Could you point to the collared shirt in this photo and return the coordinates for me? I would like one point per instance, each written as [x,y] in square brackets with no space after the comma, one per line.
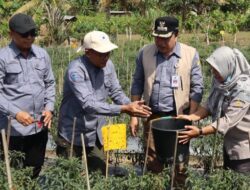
[162,98]
[234,122]
[26,84]
[86,91]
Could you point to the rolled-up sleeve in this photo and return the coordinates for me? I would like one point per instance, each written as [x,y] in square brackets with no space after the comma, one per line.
[138,78]
[49,82]
[196,88]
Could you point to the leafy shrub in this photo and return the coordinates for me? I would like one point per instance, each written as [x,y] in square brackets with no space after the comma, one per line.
[21,177]
[132,181]
[63,174]
[218,180]
[69,174]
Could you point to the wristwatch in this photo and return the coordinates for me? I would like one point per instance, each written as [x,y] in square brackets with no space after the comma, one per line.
[200,132]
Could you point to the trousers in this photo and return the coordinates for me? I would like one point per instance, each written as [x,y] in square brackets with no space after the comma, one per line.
[95,155]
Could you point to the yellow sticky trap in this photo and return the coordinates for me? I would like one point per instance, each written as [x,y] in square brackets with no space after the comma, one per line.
[114,137]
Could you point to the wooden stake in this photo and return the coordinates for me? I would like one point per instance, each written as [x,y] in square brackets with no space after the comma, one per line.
[214,150]
[107,156]
[174,161]
[6,156]
[84,157]
[8,131]
[72,138]
[146,155]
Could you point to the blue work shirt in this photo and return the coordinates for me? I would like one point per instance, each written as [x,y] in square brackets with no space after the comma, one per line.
[162,97]
[85,94]
[26,84]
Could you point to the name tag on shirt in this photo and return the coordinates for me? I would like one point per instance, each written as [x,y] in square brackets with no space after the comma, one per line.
[175,81]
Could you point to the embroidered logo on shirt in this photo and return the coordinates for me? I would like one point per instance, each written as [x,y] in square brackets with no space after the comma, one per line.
[75,77]
[238,103]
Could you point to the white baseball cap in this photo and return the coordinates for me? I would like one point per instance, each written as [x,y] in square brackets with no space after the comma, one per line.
[98,41]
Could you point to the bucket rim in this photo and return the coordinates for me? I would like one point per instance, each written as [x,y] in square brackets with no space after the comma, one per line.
[167,118]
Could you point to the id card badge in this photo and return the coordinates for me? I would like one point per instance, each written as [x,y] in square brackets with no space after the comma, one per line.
[175,81]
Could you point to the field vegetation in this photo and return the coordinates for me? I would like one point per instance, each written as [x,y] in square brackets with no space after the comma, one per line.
[204,25]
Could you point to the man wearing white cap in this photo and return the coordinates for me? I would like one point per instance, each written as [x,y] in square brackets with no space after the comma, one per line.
[89,81]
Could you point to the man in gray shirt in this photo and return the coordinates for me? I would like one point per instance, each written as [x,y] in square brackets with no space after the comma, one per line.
[27,89]
[89,81]
[168,77]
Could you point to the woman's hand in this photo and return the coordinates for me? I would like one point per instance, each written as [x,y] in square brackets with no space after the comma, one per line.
[186,117]
[185,136]
[191,117]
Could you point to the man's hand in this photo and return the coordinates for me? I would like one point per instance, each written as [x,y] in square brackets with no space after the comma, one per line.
[47,118]
[24,118]
[134,126]
[137,109]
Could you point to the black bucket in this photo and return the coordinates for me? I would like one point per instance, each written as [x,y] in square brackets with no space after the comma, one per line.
[164,133]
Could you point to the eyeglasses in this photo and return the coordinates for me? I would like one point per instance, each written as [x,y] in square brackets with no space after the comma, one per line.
[31,33]
[101,55]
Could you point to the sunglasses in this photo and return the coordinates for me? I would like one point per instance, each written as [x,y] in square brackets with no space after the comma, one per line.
[101,55]
[32,33]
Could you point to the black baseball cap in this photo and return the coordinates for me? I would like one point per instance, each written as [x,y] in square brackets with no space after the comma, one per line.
[21,23]
[165,26]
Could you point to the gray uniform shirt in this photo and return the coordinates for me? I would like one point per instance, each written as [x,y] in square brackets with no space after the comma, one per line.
[86,90]
[235,123]
[26,84]
[162,98]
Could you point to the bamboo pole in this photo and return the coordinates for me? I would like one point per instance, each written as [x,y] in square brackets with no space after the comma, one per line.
[8,131]
[214,150]
[174,161]
[6,156]
[85,161]
[107,157]
[215,140]
[146,155]
[72,138]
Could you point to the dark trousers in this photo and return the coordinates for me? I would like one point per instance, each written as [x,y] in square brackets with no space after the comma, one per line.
[241,166]
[154,165]
[95,155]
[33,147]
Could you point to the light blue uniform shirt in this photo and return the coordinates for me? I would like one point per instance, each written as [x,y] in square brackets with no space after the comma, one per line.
[85,94]
[162,98]
[26,84]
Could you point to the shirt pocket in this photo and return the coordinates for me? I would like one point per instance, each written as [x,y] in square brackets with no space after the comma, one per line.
[164,76]
[107,80]
[12,73]
[40,69]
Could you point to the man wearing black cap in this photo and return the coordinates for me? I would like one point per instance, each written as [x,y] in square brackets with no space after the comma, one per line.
[27,89]
[168,77]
